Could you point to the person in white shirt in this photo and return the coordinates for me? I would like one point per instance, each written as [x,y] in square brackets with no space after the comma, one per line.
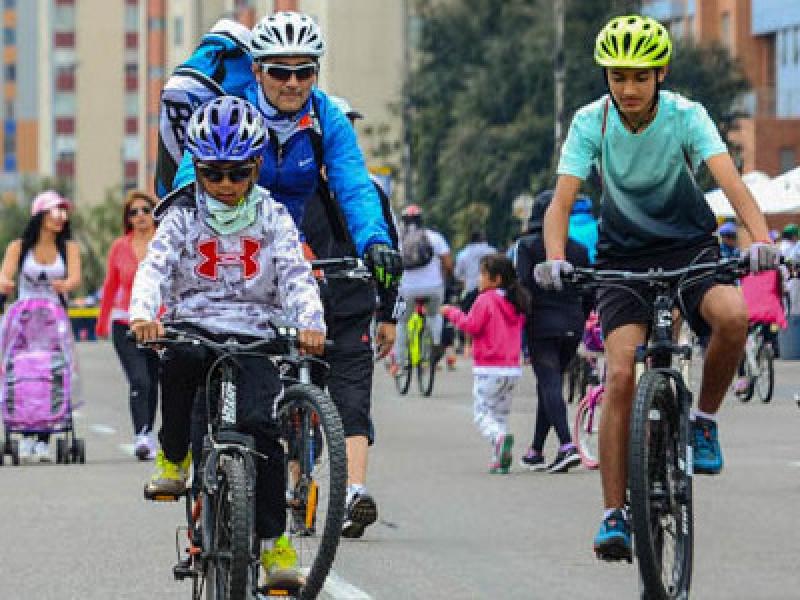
[426,263]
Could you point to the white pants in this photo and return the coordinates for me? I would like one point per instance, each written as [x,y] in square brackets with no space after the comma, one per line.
[492,403]
[434,297]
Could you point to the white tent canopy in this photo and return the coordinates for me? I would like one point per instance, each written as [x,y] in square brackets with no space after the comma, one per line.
[778,195]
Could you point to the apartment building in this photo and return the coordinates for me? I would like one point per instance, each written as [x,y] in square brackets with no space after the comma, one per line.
[81,79]
[765,36]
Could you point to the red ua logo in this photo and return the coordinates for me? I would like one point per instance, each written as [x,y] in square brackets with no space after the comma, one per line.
[213,258]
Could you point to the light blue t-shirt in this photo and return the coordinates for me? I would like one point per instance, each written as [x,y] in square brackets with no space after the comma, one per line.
[651,201]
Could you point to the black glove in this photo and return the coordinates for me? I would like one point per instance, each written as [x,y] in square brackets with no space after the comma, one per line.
[385,263]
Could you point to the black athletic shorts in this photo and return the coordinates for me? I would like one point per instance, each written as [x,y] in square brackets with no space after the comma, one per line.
[619,307]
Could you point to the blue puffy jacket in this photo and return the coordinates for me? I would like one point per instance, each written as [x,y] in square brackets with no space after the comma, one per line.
[290,172]
[583,225]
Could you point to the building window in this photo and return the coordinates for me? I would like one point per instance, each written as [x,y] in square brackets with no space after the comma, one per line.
[155,24]
[782,43]
[131,77]
[131,169]
[11,72]
[788,159]
[65,125]
[131,125]
[9,36]
[64,17]
[131,40]
[65,79]
[131,104]
[155,72]
[10,112]
[65,167]
[64,104]
[10,163]
[64,39]
[177,35]
[9,141]
[796,45]
[725,33]
[131,17]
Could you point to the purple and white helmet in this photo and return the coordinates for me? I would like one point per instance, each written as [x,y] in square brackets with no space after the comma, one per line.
[226,128]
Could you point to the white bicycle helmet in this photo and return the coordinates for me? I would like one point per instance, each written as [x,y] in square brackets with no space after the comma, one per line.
[286,34]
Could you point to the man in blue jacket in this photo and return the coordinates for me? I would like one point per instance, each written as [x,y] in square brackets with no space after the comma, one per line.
[309,135]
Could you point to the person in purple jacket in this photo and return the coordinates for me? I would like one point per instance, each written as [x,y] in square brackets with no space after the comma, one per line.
[495,323]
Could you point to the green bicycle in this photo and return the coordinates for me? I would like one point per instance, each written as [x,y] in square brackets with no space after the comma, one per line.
[419,349]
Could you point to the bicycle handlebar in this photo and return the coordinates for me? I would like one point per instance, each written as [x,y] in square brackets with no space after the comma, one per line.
[348,267]
[735,267]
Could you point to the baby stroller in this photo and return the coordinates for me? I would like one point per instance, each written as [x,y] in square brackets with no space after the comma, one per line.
[38,376]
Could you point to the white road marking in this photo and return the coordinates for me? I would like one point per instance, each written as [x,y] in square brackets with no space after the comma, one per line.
[339,589]
[795,463]
[102,429]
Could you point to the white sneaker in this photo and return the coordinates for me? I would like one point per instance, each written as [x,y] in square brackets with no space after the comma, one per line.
[41,450]
[26,448]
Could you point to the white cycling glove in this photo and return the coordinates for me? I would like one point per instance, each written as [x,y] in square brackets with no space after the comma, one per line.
[548,274]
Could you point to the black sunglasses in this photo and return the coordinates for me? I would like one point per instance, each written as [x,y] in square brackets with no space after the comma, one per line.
[283,73]
[234,174]
[142,210]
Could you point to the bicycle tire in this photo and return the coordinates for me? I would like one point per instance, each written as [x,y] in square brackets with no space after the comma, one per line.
[316,551]
[659,489]
[426,369]
[228,578]
[586,430]
[765,383]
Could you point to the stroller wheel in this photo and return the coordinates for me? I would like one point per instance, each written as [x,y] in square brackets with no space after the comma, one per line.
[61,451]
[14,452]
[78,451]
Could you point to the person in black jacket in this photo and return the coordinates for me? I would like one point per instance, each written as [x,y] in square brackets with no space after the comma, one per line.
[350,306]
[555,328]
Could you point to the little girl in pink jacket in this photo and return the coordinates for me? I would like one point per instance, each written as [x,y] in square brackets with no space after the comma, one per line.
[495,323]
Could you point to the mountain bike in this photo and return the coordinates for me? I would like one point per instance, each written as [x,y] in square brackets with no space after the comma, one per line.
[222,556]
[419,352]
[758,363]
[659,452]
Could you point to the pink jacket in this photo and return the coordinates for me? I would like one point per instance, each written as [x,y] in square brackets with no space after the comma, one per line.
[495,327]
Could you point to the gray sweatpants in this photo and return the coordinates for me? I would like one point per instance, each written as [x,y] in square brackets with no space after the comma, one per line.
[492,403]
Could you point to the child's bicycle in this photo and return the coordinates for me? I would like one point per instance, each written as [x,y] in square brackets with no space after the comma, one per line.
[218,548]
[587,416]
[758,363]
[419,352]
[659,455]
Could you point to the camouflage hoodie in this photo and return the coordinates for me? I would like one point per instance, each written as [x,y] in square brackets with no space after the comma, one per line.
[232,283]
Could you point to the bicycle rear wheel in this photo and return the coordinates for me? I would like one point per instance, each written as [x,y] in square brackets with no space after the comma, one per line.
[765,382]
[660,489]
[587,427]
[228,566]
[316,480]
[426,369]
[402,380]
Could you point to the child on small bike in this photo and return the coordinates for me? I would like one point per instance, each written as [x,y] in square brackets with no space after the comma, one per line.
[225,263]
[495,323]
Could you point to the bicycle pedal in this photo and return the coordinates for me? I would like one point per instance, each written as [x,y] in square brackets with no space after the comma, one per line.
[161,497]
[184,569]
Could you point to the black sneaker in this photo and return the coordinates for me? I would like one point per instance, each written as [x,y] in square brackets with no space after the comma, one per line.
[361,512]
[533,461]
[564,461]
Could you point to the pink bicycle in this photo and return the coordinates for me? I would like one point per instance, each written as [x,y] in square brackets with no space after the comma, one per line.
[587,417]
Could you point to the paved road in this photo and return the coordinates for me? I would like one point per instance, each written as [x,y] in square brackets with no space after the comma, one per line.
[447,529]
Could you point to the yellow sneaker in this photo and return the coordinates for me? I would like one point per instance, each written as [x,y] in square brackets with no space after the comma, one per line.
[169,478]
[280,565]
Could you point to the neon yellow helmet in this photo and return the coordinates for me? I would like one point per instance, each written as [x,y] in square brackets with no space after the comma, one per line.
[633,42]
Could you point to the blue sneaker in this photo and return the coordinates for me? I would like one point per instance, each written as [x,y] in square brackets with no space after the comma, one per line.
[613,539]
[706,448]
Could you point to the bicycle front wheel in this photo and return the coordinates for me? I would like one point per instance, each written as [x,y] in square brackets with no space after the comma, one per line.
[660,489]
[426,369]
[316,480]
[765,383]
[228,564]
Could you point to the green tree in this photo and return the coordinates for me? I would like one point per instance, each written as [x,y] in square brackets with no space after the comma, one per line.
[481,96]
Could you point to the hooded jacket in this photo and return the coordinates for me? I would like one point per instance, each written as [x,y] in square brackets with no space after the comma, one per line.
[496,329]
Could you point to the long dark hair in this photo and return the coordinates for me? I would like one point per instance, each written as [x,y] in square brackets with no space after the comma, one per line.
[31,235]
[499,265]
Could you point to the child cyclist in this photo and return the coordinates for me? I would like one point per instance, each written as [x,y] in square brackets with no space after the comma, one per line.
[495,323]
[226,264]
[647,142]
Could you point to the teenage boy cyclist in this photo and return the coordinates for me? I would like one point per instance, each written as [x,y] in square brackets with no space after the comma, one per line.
[225,263]
[647,142]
